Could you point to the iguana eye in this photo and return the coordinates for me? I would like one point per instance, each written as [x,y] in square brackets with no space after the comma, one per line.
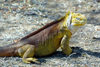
[78,18]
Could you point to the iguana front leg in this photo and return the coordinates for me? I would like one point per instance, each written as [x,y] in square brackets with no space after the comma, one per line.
[27,54]
[65,43]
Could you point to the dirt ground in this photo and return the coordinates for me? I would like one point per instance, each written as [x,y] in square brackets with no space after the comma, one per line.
[19,18]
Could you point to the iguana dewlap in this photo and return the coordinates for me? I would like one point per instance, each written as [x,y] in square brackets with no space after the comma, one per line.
[47,39]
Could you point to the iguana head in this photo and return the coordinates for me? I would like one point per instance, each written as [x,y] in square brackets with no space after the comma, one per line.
[74,21]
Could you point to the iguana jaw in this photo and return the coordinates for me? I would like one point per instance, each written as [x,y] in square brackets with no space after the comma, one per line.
[73,28]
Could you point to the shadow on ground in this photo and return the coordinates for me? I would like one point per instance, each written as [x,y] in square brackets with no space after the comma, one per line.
[96,39]
[77,52]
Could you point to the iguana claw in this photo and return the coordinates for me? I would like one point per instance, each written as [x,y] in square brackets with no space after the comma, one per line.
[29,60]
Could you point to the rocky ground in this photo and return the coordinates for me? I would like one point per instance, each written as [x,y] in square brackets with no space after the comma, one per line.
[19,18]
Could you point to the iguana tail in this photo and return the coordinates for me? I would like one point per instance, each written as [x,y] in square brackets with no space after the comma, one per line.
[10,50]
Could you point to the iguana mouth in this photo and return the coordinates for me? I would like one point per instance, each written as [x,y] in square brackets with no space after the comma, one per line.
[80,23]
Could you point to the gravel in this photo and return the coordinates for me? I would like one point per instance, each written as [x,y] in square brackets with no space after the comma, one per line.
[19,18]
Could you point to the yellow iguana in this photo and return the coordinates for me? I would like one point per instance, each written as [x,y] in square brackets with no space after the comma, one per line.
[47,39]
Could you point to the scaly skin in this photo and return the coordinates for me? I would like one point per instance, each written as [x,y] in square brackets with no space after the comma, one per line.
[47,39]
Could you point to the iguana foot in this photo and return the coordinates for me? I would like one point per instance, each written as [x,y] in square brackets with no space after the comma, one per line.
[29,60]
[69,51]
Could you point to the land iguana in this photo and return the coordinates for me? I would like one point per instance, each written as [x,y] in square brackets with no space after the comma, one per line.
[47,39]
